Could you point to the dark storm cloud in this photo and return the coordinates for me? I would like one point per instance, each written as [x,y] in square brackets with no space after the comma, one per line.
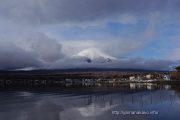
[38,52]
[13,57]
[58,11]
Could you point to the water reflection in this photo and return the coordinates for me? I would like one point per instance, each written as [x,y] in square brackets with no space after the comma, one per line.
[92,103]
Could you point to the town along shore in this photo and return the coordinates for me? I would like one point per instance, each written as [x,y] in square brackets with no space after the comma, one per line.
[29,79]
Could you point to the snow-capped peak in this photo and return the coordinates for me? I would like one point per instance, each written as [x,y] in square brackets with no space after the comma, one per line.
[94,55]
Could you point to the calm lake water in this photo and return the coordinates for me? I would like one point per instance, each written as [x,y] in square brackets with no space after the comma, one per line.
[119,102]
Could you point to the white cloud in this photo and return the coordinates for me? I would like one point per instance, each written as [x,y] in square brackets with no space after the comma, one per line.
[45,48]
[174,54]
[127,19]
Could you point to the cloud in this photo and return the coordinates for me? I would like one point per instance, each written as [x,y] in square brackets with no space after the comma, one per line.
[35,51]
[174,54]
[38,51]
[118,48]
[45,48]
[124,63]
[153,64]
[25,43]
[60,11]
[13,57]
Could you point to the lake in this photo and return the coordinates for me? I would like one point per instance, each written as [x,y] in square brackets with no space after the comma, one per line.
[134,101]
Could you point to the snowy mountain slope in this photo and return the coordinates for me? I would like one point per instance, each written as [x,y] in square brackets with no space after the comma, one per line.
[93,55]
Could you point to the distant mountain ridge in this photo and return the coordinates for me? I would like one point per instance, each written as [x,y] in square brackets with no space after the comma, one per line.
[46,71]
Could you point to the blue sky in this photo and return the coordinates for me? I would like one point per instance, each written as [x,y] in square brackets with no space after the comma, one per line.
[161,42]
[148,31]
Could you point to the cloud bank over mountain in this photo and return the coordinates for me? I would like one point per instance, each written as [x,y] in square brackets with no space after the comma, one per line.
[45,34]
[44,53]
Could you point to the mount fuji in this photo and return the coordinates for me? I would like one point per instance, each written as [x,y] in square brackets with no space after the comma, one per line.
[94,55]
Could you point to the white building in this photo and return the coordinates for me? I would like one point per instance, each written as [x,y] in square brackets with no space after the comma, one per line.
[148,76]
[131,78]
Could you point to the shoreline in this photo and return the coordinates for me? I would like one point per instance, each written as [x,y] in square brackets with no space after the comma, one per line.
[82,79]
